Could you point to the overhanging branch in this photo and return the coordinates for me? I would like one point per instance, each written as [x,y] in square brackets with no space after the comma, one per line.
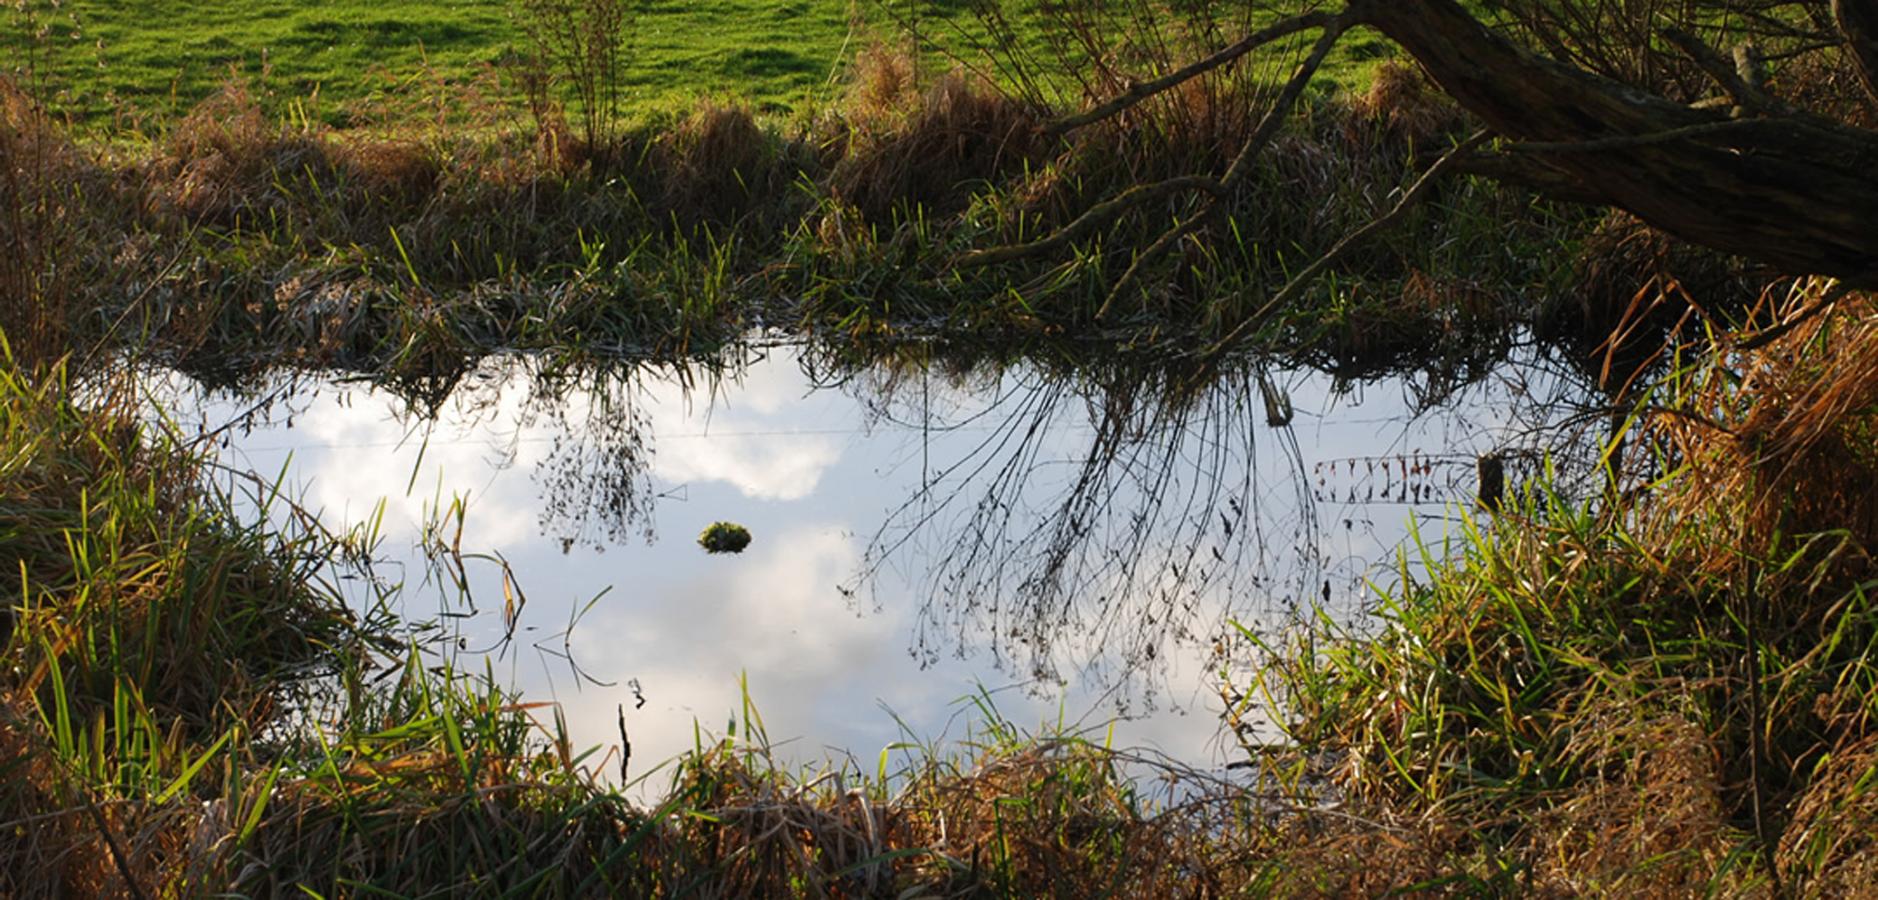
[1146,89]
[1107,212]
[1796,192]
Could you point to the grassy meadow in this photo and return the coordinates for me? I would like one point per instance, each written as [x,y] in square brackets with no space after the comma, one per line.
[139,62]
[159,58]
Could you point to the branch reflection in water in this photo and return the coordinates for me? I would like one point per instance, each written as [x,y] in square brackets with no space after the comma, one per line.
[1087,519]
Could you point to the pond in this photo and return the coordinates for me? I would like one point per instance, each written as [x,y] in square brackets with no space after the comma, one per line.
[1071,544]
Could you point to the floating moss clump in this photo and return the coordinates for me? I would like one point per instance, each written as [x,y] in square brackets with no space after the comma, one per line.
[724,537]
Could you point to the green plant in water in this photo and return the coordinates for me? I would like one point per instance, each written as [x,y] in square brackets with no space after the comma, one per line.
[724,537]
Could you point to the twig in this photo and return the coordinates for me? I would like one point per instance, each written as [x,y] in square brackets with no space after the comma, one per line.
[1304,279]
[1262,135]
[1146,89]
[1108,211]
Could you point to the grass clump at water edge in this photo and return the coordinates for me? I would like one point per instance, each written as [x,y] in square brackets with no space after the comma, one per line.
[1670,696]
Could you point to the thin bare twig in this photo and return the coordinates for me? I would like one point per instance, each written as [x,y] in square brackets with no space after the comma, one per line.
[1304,279]
[1262,136]
[1108,211]
[1146,89]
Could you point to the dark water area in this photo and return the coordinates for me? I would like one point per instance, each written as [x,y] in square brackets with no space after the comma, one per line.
[1079,544]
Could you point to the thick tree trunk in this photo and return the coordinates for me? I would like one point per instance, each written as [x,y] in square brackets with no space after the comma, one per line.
[1858,24]
[1796,192]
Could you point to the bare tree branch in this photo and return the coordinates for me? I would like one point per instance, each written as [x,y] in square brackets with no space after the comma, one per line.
[1303,280]
[1267,129]
[1794,192]
[1146,89]
[1103,214]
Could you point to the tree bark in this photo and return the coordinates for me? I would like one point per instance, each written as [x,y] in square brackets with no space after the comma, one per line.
[1797,192]
[1858,24]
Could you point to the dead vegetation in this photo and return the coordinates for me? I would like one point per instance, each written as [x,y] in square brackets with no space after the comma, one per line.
[907,147]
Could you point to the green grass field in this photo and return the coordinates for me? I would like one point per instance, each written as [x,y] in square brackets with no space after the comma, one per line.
[156,56]
[108,61]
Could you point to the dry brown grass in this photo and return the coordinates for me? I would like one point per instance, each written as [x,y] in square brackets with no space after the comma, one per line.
[1635,294]
[51,191]
[956,134]
[60,838]
[719,166]
[1832,836]
[1651,822]
[229,164]
[1405,110]
[223,157]
[1043,821]
[1782,445]
[50,842]
[881,82]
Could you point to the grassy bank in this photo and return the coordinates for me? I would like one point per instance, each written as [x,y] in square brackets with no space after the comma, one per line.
[237,241]
[1669,695]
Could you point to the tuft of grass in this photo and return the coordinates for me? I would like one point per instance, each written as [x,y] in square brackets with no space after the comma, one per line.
[724,537]
[128,586]
[928,150]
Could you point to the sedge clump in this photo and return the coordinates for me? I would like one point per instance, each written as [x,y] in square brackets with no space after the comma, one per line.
[724,537]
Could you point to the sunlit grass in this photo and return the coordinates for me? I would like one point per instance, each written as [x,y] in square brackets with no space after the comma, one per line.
[137,63]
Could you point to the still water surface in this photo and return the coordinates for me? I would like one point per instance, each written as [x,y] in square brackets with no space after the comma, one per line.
[1075,544]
